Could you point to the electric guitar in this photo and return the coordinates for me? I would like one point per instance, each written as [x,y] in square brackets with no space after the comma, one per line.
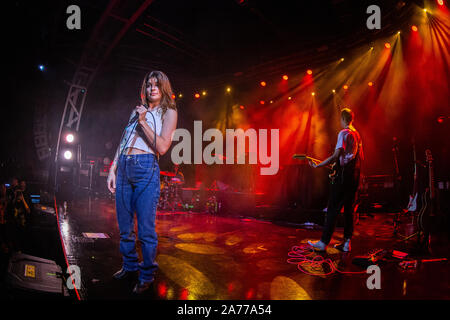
[427,214]
[334,171]
[412,204]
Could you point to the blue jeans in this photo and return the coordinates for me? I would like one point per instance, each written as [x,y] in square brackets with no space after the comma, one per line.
[137,190]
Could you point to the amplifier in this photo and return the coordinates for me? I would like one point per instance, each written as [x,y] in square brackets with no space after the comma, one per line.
[378,193]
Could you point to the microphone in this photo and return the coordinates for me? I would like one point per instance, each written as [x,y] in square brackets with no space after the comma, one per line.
[136,116]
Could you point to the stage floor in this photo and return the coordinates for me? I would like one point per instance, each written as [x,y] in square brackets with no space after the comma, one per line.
[202,256]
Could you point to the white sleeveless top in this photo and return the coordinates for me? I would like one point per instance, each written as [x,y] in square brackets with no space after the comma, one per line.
[134,138]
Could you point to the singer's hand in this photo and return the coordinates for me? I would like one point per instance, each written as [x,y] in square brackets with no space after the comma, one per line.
[111,182]
[141,110]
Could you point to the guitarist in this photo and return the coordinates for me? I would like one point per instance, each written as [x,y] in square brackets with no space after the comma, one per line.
[347,158]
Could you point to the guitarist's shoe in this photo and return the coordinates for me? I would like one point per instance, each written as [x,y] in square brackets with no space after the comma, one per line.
[344,246]
[318,246]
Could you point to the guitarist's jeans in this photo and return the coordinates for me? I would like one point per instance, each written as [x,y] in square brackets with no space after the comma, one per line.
[341,195]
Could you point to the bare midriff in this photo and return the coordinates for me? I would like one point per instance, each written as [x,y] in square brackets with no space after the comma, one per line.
[129,151]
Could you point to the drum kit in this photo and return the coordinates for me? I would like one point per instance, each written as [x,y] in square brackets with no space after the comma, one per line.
[171,184]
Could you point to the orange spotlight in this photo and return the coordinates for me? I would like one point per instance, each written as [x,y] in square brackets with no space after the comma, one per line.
[414,28]
[370,83]
[241,107]
[173,96]
[197,95]
[345,87]
[289,98]
[262,102]
[440,2]
[387,45]
[263,84]
[313,94]
[285,77]
[309,72]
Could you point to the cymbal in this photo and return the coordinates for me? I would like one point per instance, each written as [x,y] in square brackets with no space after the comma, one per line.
[167,173]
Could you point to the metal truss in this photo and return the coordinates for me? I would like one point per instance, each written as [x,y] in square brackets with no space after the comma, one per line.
[107,33]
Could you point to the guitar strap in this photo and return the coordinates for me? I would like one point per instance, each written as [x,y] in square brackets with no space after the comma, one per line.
[350,171]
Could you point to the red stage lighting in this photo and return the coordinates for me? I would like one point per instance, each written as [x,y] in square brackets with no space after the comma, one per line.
[309,72]
[414,28]
[262,102]
[285,77]
[345,87]
[370,83]
[263,84]
[387,45]
[241,107]
[173,96]
[197,95]
[184,294]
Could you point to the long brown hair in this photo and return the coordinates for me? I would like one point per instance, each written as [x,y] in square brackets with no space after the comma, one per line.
[167,102]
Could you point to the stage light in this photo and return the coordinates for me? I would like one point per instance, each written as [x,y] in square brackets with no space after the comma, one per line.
[440,2]
[262,102]
[68,155]
[425,10]
[309,72]
[173,96]
[263,84]
[271,101]
[241,107]
[345,87]
[313,93]
[289,98]
[197,95]
[41,67]
[334,91]
[370,83]
[228,89]
[70,138]
[342,59]
[414,28]
[398,32]
[180,95]
[204,93]
[285,77]
[440,119]
[387,45]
